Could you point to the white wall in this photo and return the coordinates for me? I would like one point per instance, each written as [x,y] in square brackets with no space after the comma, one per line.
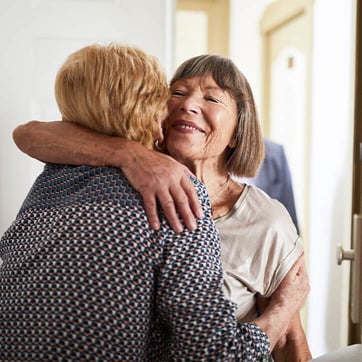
[331,171]
[36,36]
[331,149]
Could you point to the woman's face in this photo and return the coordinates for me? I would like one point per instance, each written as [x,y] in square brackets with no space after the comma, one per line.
[201,121]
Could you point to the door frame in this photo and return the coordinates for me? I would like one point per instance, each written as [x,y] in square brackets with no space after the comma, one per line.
[355,329]
[276,15]
[218,14]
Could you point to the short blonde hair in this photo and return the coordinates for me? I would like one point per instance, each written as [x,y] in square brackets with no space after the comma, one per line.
[246,157]
[114,89]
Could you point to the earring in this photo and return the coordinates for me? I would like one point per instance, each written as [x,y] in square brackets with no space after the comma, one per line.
[158,145]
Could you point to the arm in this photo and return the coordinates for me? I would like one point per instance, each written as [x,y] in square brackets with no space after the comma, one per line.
[156,176]
[293,346]
[205,316]
[285,304]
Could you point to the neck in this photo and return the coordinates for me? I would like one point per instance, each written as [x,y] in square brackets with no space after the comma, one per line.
[214,198]
[209,172]
[216,181]
[223,192]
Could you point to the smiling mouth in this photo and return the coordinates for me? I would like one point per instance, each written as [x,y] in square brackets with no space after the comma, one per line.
[188,128]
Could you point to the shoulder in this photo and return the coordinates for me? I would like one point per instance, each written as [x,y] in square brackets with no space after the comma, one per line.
[272,147]
[61,185]
[276,235]
[268,211]
[274,154]
[200,187]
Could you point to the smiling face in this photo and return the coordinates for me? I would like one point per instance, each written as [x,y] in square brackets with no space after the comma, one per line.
[201,122]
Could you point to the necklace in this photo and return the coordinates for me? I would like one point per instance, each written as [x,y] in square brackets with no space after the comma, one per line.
[221,191]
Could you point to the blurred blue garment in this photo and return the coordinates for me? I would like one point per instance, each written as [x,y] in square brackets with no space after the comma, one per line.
[275,179]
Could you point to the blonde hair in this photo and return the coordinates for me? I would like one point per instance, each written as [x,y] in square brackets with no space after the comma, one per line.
[114,89]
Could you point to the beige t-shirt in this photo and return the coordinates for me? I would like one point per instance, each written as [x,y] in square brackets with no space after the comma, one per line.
[259,244]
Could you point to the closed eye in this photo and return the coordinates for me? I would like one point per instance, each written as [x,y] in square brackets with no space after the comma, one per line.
[177,93]
[212,99]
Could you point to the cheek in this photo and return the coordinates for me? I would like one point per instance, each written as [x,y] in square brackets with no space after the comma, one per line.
[171,106]
[220,139]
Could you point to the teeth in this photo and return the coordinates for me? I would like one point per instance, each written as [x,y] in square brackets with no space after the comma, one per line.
[188,127]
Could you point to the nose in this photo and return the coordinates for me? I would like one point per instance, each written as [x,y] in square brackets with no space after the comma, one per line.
[190,105]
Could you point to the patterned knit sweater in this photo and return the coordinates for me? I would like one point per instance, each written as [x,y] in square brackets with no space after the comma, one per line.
[85,278]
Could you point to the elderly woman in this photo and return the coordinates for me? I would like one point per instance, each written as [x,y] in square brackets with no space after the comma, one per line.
[213,129]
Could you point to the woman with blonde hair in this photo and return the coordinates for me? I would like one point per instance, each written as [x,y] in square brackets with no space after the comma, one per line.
[115,90]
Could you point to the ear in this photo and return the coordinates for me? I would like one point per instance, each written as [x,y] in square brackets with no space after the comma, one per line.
[159,145]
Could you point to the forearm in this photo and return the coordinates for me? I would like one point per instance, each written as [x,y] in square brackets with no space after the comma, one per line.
[297,350]
[274,322]
[158,177]
[293,346]
[64,142]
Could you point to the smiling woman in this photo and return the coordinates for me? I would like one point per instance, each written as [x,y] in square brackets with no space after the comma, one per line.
[201,120]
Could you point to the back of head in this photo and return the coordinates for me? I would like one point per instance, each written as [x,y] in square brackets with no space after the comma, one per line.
[114,89]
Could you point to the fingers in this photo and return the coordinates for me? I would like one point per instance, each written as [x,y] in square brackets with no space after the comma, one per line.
[187,203]
[168,206]
[296,268]
[165,183]
[193,199]
[179,202]
[150,206]
[175,206]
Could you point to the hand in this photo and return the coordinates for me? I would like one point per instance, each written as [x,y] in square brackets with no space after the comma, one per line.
[159,178]
[294,288]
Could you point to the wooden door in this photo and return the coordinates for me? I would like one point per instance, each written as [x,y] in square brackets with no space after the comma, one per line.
[286,90]
[202,26]
[355,304]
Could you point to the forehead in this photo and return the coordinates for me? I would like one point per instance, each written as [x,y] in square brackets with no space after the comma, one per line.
[204,82]
[205,85]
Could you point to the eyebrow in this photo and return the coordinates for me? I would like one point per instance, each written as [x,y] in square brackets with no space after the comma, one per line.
[214,88]
[207,87]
